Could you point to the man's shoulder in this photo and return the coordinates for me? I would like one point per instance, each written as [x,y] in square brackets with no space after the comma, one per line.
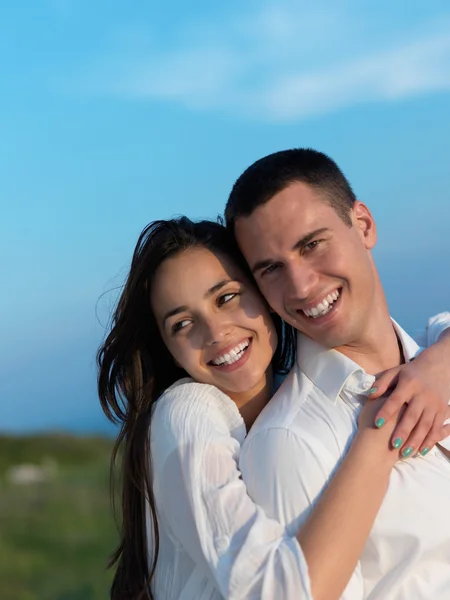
[301,416]
[287,406]
[292,447]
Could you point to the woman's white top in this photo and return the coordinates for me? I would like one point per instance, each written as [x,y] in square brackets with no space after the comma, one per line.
[214,541]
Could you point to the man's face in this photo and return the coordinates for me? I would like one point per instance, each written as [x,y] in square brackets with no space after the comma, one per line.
[314,270]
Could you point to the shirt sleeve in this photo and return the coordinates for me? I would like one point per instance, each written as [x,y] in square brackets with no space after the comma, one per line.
[435,327]
[271,463]
[205,504]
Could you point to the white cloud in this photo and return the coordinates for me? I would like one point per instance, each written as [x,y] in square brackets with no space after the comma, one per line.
[284,62]
[419,67]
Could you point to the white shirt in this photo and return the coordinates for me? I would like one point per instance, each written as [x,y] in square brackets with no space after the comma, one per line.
[214,541]
[299,440]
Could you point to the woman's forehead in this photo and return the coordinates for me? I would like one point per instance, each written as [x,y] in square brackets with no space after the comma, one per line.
[191,274]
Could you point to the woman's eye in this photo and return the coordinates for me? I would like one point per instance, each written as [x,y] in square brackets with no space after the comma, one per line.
[226,298]
[180,325]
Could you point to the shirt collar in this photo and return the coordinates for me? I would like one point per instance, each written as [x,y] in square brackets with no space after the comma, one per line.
[409,346]
[331,371]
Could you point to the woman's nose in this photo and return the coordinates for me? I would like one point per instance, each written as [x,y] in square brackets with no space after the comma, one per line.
[216,330]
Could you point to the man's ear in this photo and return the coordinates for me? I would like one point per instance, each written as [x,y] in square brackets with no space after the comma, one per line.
[364,222]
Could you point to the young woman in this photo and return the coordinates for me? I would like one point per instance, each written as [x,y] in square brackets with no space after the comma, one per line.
[187,367]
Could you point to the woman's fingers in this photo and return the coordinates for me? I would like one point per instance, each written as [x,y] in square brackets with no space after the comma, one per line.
[429,429]
[413,427]
[401,396]
[421,437]
[432,439]
[384,382]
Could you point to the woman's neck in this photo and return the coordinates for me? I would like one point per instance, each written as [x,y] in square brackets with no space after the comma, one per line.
[251,403]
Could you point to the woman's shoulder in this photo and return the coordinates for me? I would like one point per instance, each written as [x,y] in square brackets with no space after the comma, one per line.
[190,405]
[187,395]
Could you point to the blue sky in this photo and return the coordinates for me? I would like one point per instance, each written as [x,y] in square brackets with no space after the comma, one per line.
[113,114]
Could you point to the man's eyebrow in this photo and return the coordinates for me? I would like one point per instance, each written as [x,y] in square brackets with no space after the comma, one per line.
[212,290]
[262,264]
[308,238]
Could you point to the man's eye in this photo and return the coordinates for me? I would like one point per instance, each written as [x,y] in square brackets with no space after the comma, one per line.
[180,325]
[312,245]
[270,269]
[226,298]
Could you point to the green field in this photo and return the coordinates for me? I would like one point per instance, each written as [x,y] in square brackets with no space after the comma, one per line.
[56,535]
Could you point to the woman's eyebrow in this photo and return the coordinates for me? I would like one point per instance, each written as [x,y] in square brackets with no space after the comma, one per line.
[173,312]
[212,290]
[215,288]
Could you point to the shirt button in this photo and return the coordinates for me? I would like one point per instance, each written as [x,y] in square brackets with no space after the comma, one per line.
[222,543]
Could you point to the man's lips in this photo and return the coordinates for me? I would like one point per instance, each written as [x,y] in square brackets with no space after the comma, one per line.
[317,311]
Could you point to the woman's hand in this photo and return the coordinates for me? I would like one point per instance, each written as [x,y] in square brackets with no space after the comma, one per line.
[378,439]
[422,389]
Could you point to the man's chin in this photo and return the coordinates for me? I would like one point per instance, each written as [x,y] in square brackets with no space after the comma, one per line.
[332,337]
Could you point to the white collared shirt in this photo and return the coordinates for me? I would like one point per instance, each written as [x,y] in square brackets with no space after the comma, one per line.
[298,441]
[215,542]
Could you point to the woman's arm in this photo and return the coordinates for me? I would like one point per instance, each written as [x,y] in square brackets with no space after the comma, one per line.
[202,498]
[424,384]
[333,537]
[248,554]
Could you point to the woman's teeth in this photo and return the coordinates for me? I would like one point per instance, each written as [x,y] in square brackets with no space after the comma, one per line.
[323,307]
[232,356]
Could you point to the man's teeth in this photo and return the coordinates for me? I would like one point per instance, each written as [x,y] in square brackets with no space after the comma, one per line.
[232,356]
[323,307]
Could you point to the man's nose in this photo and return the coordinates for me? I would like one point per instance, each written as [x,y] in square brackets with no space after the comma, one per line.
[301,280]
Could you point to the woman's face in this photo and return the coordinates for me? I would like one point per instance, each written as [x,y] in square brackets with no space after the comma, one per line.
[213,321]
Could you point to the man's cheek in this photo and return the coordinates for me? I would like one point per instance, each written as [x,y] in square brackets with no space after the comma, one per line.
[266,291]
[274,298]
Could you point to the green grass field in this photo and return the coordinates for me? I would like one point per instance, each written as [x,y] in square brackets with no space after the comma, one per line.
[56,535]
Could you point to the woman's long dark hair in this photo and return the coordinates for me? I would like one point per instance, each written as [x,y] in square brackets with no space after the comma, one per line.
[134,369]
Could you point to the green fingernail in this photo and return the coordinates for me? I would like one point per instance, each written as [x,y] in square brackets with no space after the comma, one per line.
[397,442]
[372,390]
[424,451]
[380,422]
[407,451]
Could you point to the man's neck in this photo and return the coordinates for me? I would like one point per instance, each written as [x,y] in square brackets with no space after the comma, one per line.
[378,348]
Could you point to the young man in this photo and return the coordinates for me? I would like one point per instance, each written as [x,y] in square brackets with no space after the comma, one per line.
[308,242]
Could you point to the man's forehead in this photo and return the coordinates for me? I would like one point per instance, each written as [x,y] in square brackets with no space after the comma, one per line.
[259,226]
[283,226]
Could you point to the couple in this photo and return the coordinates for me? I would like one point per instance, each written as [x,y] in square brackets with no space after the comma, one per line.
[252,465]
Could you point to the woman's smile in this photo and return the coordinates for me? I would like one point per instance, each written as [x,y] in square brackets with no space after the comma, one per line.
[232,357]
[213,321]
